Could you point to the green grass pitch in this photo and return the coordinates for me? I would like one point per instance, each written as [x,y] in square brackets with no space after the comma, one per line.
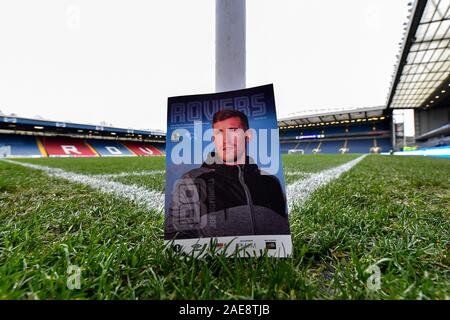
[388,211]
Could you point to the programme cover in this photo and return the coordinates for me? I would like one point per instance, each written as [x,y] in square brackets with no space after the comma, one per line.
[225,185]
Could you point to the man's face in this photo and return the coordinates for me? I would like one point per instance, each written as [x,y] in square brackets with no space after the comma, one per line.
[229,139]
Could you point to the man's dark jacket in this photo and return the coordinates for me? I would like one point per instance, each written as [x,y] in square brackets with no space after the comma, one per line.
[221,200]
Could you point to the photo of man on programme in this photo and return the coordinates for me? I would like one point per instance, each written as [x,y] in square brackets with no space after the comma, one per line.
[228,195]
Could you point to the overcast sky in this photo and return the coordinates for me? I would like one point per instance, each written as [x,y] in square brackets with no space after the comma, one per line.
[118,61]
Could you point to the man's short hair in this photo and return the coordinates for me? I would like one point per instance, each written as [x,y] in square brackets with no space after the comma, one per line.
[230,113]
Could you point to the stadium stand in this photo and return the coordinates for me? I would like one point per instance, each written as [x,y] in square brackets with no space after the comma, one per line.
[347,131]
[360,145]
[352,131]
[107,148]
[384,144]
[161,147]
[361,128]
[67,147]
[23,137]
[306,146]
[331,146]
[20,146]
[142,149]
[286,146]
[289,134]
[421,81]
[335,130]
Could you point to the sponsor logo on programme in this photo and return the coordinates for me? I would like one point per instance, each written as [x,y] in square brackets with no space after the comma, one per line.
[176,248]
[196,246]
[246,244]
[270,245]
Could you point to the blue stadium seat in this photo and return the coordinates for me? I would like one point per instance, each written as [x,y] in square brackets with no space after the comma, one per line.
[108,148]
[21,146]
[360,145]
[160,146]
[307,146]
[331,147]
[285,147]
[385,144]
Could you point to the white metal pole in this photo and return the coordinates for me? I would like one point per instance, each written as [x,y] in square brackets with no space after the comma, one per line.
[230,45]
[404,135]
[394,133]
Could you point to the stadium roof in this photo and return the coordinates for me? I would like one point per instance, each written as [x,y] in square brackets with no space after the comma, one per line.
[422,77]
[333,117]
[42,124]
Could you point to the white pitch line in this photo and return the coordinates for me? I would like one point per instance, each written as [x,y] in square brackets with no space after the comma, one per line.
[153,200]
[298,192]
[129,174]
[298,173]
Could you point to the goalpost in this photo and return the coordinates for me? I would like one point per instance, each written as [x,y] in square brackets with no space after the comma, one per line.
[5,151]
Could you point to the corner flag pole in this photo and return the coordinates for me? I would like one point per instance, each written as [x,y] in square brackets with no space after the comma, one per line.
[230,45]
